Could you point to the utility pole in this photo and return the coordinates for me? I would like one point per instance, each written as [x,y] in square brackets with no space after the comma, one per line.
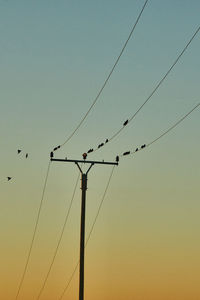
[83,206]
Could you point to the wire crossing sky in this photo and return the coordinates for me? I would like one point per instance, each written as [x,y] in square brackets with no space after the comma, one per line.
[34,233]
[59,240]
[164,133]
[103,197]
[151,94]
[107,79]
[54,56]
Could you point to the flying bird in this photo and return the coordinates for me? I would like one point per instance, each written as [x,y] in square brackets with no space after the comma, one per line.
[18,151]
[9,178]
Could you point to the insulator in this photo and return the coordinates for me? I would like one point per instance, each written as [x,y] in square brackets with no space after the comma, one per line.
[84,155]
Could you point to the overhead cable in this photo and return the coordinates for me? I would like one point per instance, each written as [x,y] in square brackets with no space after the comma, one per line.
[105,82]
[148,98]
[34,233]
[160,136]
[125,153]
[59,240]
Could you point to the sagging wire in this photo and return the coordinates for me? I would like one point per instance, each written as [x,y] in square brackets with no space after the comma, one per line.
[159,137]
[106,81]
[59,240]
[34,233]
[148,98]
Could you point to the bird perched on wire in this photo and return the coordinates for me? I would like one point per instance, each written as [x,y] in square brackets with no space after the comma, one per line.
[100,145]
[56,148]
[9,178]
[125,123]
[126,153]
[90,150]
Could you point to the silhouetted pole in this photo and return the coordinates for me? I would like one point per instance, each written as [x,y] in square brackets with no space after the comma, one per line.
[82,236]
[83,208]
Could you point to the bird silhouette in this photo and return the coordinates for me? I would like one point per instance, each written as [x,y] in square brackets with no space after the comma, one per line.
[90,150]
[106,141]
[18,151]
[126,153]
[136,149]
[125,123]
[117,158]
[26,155]
[56,148]
[9,178]
[100,145]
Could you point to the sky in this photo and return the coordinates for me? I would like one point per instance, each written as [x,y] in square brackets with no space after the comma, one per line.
[55,57]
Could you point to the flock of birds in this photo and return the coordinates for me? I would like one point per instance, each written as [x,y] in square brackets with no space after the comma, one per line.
[84,154]
[18,152]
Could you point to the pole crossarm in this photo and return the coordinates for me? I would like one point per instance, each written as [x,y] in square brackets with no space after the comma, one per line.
[85,161]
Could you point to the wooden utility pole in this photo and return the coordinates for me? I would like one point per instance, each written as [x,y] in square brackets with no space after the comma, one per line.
[83,207]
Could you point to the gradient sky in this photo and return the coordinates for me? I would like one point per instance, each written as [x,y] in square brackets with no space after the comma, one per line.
[54,58]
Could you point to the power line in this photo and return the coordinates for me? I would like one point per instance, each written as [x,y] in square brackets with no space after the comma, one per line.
[163,134]
[149,97]
[90,232]
[129,152]
[59,240]
[106,81]
[173,126]
[34,232]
